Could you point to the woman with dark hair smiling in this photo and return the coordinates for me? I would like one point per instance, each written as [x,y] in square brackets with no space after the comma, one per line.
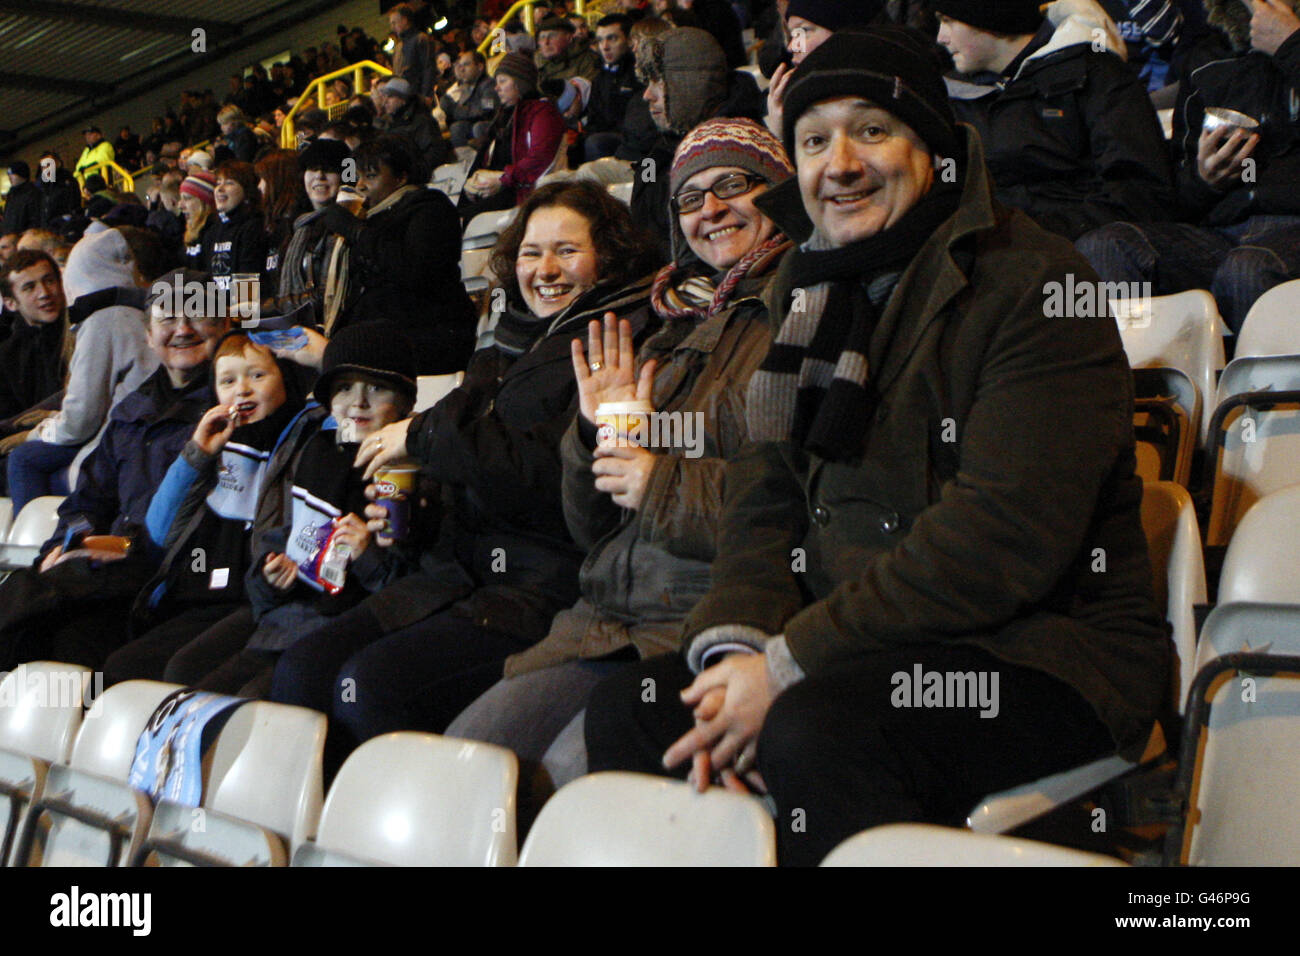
[236,243]
[406,256]
[420,650]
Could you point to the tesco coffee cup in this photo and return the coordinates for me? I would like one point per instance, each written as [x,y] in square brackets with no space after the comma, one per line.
[623,422]
[394,488]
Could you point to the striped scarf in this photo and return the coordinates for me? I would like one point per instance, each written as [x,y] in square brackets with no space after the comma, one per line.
[678,295]
[812,388]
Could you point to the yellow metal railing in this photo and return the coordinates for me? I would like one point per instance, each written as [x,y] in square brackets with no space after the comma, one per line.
[316,91]
[104,169]
[527,7]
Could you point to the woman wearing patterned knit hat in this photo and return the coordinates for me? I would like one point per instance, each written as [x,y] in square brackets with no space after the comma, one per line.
[519,145]
[648,516]
[197,206]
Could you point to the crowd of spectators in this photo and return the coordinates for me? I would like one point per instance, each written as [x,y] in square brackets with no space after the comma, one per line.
[840,278]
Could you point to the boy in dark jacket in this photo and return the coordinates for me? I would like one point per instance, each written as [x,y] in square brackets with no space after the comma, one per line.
[1237,186]
[1071,135]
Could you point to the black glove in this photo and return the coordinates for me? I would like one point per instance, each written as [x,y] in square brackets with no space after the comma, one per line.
[339,221]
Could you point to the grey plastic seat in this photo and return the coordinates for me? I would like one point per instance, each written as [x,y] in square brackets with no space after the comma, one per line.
[1239,768]
[40,712]
[262,795]
[88,815]
[413,799]
[919,844]
[630,819]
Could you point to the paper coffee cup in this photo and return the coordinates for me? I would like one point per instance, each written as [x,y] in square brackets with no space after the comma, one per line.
[623,421]
[394,487]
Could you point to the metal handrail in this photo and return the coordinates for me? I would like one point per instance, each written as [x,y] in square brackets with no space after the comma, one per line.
[288,140]
[105,167]
[527,7]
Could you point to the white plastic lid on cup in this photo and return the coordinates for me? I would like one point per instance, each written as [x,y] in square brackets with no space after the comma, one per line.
[634,407]
[1216,116]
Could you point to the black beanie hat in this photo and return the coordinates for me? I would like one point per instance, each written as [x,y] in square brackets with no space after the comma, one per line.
[834,14]
[326,154]
[893,67]
[997,16]
[377,349]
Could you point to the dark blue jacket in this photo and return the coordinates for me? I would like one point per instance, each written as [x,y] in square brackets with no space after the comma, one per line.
[146,431]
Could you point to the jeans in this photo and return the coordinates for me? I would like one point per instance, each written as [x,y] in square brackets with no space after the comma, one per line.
[841,751]
[1237,263]
[598,145]
[37,468]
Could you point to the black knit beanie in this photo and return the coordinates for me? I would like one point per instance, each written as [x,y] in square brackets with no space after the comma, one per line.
[996,16]
[377,349]
[834,14]
[326,154]
[894,67]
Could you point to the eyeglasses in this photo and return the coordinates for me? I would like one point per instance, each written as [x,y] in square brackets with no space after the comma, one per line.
[195,322]
[728,187]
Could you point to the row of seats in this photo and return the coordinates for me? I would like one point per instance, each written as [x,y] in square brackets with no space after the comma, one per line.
[1244,415]
[262,800]
[403,799]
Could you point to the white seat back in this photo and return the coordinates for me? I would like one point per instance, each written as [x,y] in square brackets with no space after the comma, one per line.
[1182,331]
[1245,785]
[413,799]
[431,389]
[918,844]
[266,769]
[628,819]
[40,708]
[106,742]
[1264,554]
[6,517]
[1261,373]
[608,171]
[36,522]
[622,192]
[1260,455]
[1272,326]
[1174,543]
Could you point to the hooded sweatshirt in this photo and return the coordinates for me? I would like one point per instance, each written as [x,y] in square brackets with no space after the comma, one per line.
[111,357]
[697,86]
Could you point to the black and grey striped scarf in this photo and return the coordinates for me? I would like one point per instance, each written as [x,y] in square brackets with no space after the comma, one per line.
[812,388]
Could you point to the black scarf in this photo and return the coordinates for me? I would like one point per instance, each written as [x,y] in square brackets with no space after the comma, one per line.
[812,387]
[518,330]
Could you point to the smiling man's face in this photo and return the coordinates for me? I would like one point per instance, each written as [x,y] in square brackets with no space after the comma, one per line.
[860,168]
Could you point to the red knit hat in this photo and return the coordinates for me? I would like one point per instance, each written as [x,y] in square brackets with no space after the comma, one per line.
[199,184]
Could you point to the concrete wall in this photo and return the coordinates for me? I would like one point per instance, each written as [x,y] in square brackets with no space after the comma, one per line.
[139,112]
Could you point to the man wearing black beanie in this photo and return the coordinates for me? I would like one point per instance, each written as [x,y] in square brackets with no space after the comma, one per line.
[1071,135]
[905,513]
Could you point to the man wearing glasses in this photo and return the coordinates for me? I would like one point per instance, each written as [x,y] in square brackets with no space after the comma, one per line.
[74,603]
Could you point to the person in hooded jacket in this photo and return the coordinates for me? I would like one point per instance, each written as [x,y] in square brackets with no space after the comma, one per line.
[105,282]
[1071,135]
[1240,207]
[404,258]
[648,517]
[687,81]
[504,562]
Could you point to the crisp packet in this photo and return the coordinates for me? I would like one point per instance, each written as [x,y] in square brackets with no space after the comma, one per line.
[326,568]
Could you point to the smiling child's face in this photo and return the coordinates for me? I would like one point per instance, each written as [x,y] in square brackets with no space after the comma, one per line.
[362,405]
